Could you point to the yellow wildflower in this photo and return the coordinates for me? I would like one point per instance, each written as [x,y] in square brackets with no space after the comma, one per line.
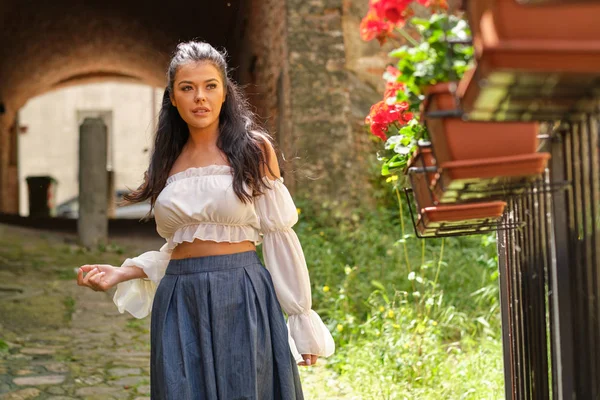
[390,314]
[381,308]
[298,210]
[326,288]
[339,327]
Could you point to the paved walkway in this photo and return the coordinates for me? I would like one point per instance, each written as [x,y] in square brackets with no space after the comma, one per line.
[60,342]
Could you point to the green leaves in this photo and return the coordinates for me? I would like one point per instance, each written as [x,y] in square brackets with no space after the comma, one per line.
[435,59]
[399,148]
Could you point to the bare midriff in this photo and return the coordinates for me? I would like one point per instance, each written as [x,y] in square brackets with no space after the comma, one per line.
[202,248]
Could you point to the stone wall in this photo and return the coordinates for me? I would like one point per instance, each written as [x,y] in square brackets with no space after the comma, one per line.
[263,71]
[320,101]
[334,78]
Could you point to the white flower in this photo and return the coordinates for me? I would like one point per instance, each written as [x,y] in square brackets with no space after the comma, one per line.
[390,101]
[402,150]
[393,141]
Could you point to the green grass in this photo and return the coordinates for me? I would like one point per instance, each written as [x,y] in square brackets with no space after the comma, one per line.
[3,346]
[138,325]
[69,303]
[412,319]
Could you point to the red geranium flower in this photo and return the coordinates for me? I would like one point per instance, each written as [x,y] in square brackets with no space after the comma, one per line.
[392,70]
[439,4]
[379,131]
[407,116]
[391,88]
[373,27]
[395,11]
[382,115]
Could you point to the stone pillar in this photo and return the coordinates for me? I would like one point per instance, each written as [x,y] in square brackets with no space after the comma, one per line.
[12,198]
[110,193]
[92,224]
[4,145]
[9,174]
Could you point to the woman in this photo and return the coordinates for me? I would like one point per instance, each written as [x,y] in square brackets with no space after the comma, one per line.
[217,329]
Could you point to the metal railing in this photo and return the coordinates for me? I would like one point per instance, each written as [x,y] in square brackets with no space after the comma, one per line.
[550,273]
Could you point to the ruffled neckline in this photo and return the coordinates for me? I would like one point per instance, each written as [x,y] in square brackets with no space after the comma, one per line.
[213,169]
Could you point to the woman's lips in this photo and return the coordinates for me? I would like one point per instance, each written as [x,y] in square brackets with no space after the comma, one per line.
[200,111]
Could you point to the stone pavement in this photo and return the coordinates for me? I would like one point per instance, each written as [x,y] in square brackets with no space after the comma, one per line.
[59,341]
[62,341]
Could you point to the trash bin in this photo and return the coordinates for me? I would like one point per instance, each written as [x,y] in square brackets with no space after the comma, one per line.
[42,196]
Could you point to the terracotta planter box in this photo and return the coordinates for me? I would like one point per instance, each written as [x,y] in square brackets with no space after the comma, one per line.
[461,219]
[486,95]
[455,219]
[421,182]
[487,178]
[471,213]
[534,62]
[455,139]
[539,2]
[545,38]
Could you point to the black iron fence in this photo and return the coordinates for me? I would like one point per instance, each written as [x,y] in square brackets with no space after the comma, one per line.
[550,273]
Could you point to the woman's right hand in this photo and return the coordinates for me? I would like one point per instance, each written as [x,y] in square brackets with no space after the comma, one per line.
[98,277]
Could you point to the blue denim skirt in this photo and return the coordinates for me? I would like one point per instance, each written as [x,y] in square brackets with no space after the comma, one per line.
[218,333]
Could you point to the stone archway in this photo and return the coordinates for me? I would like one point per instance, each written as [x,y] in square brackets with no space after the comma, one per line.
[290,54]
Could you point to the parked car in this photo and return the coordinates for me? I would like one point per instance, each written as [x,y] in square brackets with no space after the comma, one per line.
[70,208]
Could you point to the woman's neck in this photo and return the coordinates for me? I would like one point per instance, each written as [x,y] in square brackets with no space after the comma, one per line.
[203,138]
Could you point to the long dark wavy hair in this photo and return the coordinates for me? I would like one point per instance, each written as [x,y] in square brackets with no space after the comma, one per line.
[240,138]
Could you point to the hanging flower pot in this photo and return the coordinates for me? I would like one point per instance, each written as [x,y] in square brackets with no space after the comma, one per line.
[479,160]
[455,139]
[490,178]
[421,181]
[534,62]
[508,28]
[539,2]
[439,220]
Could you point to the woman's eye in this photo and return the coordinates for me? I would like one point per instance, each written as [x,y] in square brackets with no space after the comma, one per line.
[186,88]
[212,86]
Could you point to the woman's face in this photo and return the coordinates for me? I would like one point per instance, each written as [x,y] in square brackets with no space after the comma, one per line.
[198,94]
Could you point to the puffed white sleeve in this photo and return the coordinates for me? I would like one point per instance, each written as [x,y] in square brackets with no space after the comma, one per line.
[136,295]
[285,261]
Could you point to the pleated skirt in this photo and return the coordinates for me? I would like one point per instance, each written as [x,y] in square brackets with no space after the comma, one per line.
[218,333]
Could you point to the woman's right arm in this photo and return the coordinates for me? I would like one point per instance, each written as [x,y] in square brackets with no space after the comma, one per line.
[136,280]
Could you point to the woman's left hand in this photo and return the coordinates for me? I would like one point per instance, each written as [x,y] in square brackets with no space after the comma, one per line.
[309,359]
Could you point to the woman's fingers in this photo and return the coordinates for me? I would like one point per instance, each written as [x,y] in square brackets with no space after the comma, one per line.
[89,275]
[80,277]
[100,277]
[82,269]
[309,359]
[92,279]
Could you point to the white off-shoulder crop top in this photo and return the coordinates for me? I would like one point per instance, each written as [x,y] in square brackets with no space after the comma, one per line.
[199,203]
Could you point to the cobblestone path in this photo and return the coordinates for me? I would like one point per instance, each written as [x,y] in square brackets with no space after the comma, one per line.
[59,341]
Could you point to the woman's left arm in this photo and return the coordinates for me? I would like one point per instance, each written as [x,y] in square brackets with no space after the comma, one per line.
[285,261]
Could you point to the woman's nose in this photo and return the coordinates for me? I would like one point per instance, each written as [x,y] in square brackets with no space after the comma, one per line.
[199,96]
